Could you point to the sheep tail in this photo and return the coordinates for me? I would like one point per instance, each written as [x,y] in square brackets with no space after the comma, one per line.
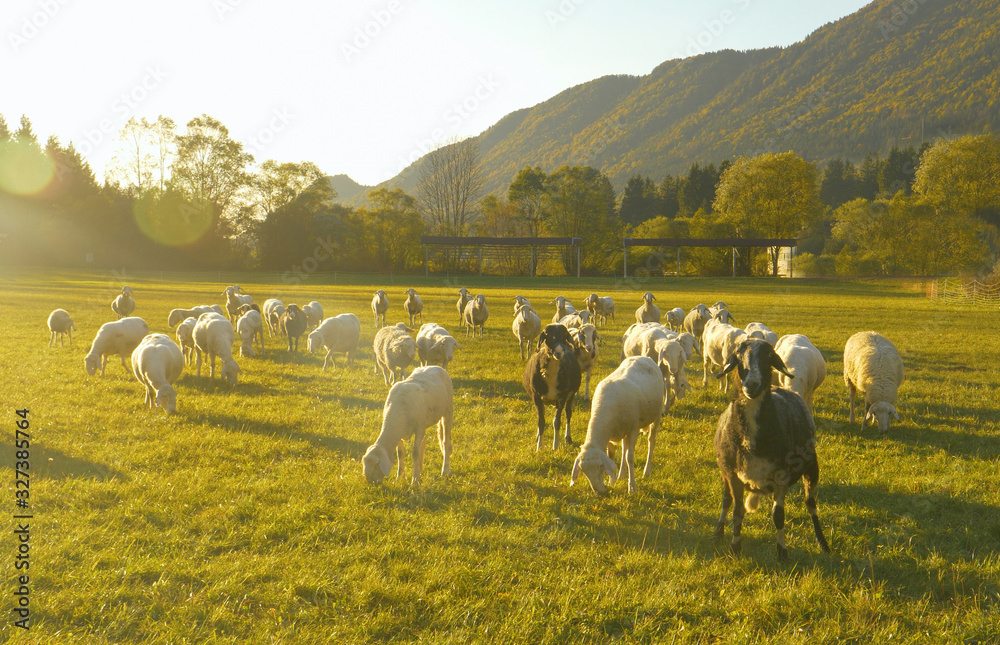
[752,502]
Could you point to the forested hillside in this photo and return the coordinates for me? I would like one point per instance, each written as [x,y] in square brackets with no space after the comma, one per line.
[893,73]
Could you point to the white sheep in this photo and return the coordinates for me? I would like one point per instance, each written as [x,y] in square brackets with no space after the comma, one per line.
[526,326]
[804,362]
[380,305]
[647,311]
[626,401]
[586,339]
[250,326]
[314,314]
[123,305]
[393,351]
[762,332]
[117,337]
[694,322]
[675,318]
[185,338]
[157,363]
[421,401]
[271,312]
[60,323]
[476,314]
[600,308]
[340,333]
[520,301]
[214,336]
[572,321]
[463,299]
[413,305]
[563,308]
[873,367]
[689,343]
[435,345]
[717,307]
[234,299]
[178,315]
[662,346]
[718,343]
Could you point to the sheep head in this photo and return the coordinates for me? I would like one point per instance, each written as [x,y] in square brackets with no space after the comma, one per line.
[648,297]
[753,361]
[166,398]
[594,463]
[556,339]
[230,372]
[315,341]
[376,464]
[92,362]
[879,413]
[446,345]
[723,316]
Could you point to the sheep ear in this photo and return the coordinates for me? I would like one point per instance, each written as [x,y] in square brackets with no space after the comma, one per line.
[892,410]
[457,346]
[609,466]
[384,463]
[576,472]
[779,365]
[729,366]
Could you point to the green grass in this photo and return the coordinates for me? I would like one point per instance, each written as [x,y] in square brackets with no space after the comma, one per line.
[245,517]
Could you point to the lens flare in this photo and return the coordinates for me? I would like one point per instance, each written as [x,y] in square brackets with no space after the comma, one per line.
[24,168]
[172,220]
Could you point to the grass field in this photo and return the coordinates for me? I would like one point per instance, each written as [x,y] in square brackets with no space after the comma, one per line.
[245,518]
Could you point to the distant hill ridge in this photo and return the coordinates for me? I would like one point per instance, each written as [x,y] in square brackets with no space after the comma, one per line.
[893,73]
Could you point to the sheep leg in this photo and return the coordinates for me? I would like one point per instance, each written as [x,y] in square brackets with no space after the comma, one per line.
[727,501]
[586,389]
[623,468]
[400,455]
[629,455]
[444,438]
[853,390]
[212,363]
[651,441]
[540,409]
[104,363]
[419,438]
[326,358]
[809,480]
[739,510]
[52,339]
[569,416]
[556,422]
[149,395]
[198,351]
[704,379]
[778,515]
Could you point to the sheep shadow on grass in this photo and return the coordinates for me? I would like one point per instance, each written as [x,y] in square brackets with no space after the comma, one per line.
[55,464]
[340,445]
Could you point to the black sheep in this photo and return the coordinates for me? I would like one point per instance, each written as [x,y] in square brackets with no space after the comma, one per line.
[552,376]
[293,324]
[765,442]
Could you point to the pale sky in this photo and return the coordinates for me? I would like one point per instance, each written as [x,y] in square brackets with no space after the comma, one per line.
[360,88]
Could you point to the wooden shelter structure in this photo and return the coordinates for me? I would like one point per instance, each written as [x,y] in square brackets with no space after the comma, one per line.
[497,248]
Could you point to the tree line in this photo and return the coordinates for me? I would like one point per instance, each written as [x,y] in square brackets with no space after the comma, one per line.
[195,198]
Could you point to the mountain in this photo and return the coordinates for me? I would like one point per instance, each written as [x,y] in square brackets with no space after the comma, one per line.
[893,73]
[347,189]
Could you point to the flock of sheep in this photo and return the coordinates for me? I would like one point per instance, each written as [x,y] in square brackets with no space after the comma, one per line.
[765,439]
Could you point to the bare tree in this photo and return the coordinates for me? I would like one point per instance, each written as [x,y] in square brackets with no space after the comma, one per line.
[451,185]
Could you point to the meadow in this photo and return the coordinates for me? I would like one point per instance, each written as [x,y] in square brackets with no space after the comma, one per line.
[245,517]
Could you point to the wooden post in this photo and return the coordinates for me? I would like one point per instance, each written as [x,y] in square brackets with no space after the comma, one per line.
[734,261]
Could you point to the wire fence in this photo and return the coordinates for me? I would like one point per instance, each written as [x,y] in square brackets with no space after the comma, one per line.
[965,292]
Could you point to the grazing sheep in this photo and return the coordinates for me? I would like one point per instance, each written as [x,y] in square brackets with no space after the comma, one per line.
[675,319]
[586,338]
[463,299]
[123,305]
[718,343]
[178,315]
[60,323]
[694,322]
[214,336]
[476,313]
[764,442]
[250,326]
[873,367]
[628,400]
[314,314]
[552,376]
[245,308]
[233,301]
[292,324]
[804,362]
[647,312]
[601,308]
[563,308]
[271,312]
[185,338]
[435,346]
[689,343]
[393,350]
[660,345]
[421,401]
[762,332]
[338,334]
[520,301]
[157,363]
[117,337]
[527,326]
[380,305]
[413,305]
